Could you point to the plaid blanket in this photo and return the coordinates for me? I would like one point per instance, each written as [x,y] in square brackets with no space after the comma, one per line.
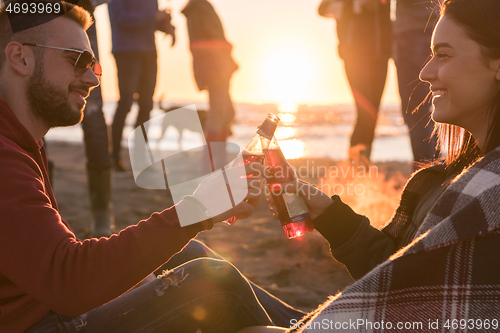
[446,280]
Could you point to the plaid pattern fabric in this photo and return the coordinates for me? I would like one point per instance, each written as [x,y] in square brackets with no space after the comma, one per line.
[446,280]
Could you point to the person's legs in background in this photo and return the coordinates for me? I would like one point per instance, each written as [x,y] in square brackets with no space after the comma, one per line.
[280,312]
[367,81]
[221,112]
[95,135]
[99,174]
[219,119]
[146,87]
[411,53]
[128,65]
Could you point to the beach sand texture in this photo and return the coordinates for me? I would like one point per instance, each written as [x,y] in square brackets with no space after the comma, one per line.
[302,271]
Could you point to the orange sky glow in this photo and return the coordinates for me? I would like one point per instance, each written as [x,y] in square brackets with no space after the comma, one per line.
[286,52]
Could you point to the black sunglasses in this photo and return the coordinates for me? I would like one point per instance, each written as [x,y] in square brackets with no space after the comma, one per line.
[84,61]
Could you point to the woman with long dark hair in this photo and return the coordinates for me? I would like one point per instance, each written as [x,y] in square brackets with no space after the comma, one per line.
[434,266]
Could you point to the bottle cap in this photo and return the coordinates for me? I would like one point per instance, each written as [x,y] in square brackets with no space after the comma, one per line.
[269,126]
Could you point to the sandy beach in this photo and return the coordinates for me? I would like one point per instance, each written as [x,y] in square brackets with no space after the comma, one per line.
[302,271]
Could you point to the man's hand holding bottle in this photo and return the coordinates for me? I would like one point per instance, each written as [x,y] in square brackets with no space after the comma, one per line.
[245,190]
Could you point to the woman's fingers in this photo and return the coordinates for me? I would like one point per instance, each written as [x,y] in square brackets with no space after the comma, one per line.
[269,198]
[271,206]
[274,210]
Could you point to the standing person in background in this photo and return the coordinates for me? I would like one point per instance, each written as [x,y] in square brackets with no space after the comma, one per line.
[365,43]
[213,67]
[413,27]
[95,135]
[133,26]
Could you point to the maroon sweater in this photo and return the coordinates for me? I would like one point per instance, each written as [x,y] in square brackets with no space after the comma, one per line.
[42,264]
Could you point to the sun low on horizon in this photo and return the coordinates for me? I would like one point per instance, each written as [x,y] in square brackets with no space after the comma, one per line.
[286,71]
[287,55]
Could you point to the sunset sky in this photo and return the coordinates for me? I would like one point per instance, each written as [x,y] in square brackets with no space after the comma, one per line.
[286,52]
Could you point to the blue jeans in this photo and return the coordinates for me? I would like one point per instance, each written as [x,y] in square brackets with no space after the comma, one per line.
[136,74]
[412,51]
[95,130]
[279,312]
[207,294]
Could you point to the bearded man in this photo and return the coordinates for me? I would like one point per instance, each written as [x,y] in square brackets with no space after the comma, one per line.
[52,281]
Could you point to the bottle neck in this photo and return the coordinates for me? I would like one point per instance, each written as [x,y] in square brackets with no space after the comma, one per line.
[267,129]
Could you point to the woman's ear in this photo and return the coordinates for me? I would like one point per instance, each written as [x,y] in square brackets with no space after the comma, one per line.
[19,58]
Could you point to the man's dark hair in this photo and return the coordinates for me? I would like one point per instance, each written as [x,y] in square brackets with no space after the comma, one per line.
[32,28]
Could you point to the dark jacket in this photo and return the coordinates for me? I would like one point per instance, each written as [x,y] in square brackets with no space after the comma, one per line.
[361,247]
[367,35]
[213,64]
[43,265]
[132,25]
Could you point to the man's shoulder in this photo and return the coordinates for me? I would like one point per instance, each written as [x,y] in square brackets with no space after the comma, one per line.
[21,177]
[8,144]
[14,157]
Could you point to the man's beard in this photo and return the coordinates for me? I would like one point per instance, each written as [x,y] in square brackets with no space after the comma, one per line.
[50,103]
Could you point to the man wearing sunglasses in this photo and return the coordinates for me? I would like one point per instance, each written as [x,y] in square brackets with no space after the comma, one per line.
[83,62]
[51,281]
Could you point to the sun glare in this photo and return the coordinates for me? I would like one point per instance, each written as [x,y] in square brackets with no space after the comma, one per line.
[287,118]
[283,133]
[287,107]
[287,73]
[292,148]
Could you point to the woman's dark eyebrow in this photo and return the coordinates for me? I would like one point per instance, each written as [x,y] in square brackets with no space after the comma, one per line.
[439,45]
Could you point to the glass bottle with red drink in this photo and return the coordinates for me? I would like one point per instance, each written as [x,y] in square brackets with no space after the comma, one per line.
[291,207]
[255,150]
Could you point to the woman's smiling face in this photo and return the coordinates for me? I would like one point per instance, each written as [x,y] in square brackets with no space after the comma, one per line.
[463,81]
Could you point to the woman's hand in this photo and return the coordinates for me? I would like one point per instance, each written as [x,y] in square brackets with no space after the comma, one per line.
[316,200]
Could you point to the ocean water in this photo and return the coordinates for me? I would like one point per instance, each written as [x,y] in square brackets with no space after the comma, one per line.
[320,131]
